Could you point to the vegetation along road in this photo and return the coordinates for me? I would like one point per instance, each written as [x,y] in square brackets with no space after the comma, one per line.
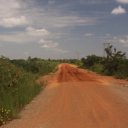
[76,98]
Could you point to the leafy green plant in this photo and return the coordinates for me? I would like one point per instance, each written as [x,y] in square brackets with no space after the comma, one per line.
[5,114]
[91,60]
[36,65]
[18,83]
[97,68]
[17,88]
[113,60]
[115,64]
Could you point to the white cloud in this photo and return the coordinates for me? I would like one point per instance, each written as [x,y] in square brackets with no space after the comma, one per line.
[29,35]
[13,21]
[119,10]
[48,44]
[50,18]
[123,40]
[122,1]
[94,1]
[65,21]
[53,18]
[11,14]
[88,34]
[37,32]
[42,37]
[8,8]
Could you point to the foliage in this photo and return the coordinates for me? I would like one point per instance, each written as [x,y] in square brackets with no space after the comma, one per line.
[112,53]
[17,88]
[114,64]
[5,114]
[122,70]
[91,60]
[17,83]
[113,60]
[36,65]
[74,61]
[97,68]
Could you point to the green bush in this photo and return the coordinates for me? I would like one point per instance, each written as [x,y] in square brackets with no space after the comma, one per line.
[91,60]
[115,64]
[97,68]
[122,71]
[17,83]
[17,88]
[120,75]
[36,65]
[5,114]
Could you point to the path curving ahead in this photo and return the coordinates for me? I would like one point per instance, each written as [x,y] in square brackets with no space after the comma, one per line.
[76,98]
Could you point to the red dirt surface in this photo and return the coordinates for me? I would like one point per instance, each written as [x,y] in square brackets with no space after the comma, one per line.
[75,98]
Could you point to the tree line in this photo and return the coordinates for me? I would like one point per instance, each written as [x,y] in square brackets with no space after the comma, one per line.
[114,64]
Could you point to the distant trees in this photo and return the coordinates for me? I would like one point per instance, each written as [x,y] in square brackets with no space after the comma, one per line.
[36,65]
[114,64]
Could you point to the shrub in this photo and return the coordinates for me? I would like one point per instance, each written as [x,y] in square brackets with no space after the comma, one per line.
[122,71]
[17,88]
[17,83]
[115,64]
[36,65]
[97,68]
[114,60]
[5,114]
[91,60]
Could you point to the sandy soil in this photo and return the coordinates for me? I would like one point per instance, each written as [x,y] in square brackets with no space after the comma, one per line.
[77,98]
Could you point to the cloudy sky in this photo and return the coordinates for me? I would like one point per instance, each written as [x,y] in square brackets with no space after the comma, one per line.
[62,28]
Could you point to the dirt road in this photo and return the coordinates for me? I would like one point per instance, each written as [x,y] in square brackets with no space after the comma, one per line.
[76,98]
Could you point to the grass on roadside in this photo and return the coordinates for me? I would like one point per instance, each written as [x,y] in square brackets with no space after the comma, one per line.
[17,88]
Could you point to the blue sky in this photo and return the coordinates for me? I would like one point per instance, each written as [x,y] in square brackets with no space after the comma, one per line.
[62,28]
